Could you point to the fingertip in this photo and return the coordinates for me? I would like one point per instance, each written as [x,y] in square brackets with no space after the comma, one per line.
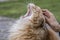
[46,14]
[46,17]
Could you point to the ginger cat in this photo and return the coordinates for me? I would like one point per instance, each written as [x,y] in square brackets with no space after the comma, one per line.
[31,26]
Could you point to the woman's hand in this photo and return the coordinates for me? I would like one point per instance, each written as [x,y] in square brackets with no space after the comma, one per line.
[51,20]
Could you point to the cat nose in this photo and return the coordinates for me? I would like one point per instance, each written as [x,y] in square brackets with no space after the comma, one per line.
[31,5]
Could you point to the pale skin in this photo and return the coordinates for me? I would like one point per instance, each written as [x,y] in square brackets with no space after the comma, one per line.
[52,34]
[51,20]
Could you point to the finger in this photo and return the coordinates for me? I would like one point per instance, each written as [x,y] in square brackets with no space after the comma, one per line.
[48,27]
[47,19]
[46,14]
[47,11]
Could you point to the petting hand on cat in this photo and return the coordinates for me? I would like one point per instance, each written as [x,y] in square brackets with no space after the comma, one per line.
[51,20]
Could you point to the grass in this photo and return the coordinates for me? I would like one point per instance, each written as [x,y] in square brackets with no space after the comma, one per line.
[18,8]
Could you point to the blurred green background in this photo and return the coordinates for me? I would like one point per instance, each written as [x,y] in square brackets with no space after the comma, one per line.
[15,8]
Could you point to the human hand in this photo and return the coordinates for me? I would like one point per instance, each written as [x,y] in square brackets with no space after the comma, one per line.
[51,20]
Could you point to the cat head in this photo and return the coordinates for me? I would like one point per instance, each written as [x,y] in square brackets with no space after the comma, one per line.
[35,15]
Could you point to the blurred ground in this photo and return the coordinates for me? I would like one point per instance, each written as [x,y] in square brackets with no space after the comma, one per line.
[5,24]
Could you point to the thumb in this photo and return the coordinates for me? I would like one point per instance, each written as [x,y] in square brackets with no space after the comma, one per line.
[47,19]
